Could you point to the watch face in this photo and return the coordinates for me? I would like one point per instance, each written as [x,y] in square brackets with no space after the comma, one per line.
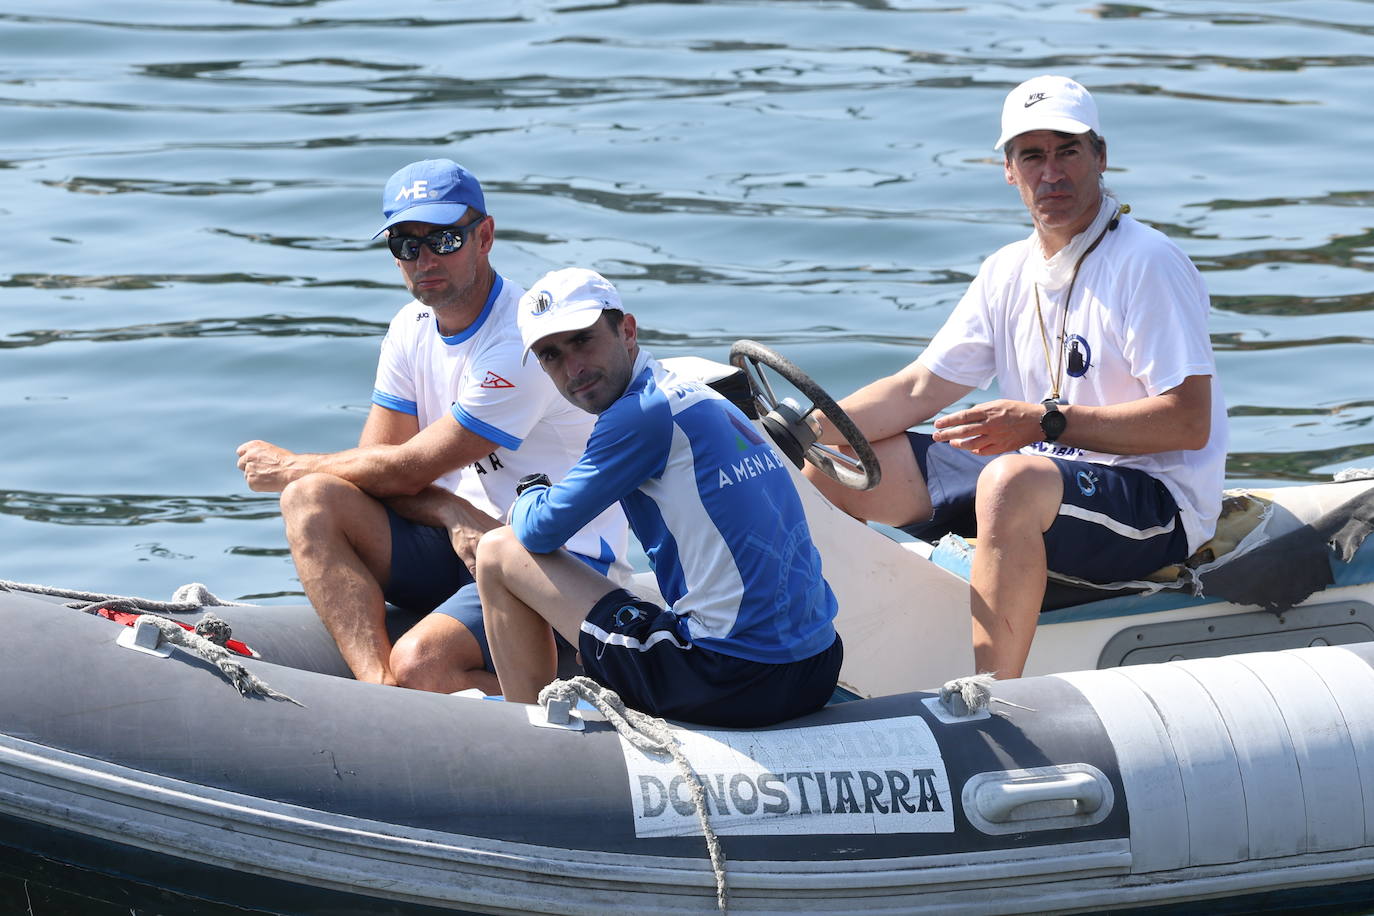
[1052,423]
[531,480]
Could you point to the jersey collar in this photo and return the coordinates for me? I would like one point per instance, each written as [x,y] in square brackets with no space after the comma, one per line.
[476,326]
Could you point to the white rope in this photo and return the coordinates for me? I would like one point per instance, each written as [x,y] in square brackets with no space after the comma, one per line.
[652,736]
[246,681]
[189,597]
[967,696]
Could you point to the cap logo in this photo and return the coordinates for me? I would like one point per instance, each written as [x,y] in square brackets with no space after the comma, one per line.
[1035,97]
[417,191]
[542,303]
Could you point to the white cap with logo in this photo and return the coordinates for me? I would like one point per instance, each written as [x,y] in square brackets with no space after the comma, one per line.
[1048,103]
[564,300]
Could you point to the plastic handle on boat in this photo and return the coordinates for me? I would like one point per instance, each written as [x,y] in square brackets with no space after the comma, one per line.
[1002,801]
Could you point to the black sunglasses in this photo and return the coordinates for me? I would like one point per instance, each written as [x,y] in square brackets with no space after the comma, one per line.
[440,241]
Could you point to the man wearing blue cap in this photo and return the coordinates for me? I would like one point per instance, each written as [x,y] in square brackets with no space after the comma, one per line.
[1103,459]
[457,419]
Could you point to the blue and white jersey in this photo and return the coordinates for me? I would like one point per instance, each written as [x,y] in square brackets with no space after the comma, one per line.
[478,376]
[714,507]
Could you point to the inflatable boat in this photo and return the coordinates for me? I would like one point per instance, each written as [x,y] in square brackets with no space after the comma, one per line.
[1168,746]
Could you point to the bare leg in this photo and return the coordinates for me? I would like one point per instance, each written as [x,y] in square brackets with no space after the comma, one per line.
[341,543]
[899,499]
[1018,499]
[440,654]
[523,595]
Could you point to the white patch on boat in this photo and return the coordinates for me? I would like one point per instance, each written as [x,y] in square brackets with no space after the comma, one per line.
[884,776]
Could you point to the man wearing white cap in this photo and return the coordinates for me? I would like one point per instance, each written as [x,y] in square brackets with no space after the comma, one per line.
[456,419]
[1103,459]
[748,637]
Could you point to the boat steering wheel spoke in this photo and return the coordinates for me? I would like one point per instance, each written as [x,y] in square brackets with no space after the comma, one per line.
[785,420]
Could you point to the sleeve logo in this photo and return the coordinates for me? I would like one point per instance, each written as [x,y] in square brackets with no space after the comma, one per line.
[495,381]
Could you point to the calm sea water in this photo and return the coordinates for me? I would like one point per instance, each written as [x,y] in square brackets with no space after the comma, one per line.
[189,188]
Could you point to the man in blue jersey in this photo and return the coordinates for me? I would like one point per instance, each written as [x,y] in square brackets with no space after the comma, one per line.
[457,418]
[748,638]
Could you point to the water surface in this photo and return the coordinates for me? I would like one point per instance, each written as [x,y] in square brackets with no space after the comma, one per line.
[191,187]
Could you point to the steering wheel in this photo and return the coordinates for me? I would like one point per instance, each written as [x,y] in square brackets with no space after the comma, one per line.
[786,423]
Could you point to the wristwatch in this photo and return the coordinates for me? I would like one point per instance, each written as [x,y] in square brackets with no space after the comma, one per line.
[1052,422]
[532,480]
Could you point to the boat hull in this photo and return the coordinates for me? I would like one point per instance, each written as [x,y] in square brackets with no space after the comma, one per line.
[1143,786]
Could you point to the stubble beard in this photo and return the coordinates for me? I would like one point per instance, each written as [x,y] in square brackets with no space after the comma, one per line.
[585,400]
[446,302]
[437,299]
[609,388]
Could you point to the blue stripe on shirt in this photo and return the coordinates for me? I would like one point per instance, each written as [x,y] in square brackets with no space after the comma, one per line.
[391,402]
[601,563]
[485,430]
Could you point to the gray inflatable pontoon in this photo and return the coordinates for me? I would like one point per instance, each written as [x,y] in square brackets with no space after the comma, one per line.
[150,781]
[138,774]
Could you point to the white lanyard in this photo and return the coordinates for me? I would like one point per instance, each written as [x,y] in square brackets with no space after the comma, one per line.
[1057,374]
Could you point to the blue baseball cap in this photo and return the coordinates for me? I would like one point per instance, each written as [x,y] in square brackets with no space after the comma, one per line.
[437,191]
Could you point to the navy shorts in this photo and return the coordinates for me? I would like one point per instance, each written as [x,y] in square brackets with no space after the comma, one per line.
[427,576]
[1115,524]
[633,647]
[425,572]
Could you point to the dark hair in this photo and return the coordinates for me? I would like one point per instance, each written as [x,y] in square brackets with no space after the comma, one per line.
[613,318]
[1095,142]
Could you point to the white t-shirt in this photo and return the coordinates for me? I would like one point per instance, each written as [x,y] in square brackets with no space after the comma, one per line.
[477,375]
[1138,320]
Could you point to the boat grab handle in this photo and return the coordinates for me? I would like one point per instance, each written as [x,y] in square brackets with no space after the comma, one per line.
[1003,800]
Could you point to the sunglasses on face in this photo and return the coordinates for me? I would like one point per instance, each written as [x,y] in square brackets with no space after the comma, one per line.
[440,241]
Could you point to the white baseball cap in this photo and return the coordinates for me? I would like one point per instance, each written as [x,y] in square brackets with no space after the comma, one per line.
[1048,103]
[563,300]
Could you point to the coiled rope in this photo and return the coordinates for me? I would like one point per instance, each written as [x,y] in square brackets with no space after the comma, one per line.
[967,696]
[652,736]
[244,680]
[207,642]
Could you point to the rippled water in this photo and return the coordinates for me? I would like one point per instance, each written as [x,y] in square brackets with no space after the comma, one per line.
[190,188]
